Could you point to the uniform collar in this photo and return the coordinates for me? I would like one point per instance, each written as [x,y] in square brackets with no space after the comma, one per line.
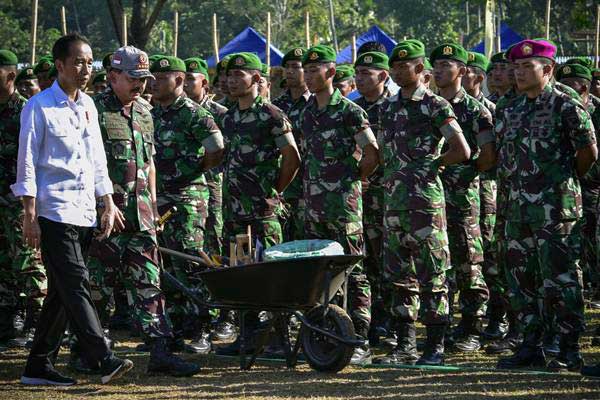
[460,96]
[334,100]
[112,103]
[258,101]
[417,95]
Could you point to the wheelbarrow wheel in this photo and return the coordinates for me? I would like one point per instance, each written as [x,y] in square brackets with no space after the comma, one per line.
[324,353]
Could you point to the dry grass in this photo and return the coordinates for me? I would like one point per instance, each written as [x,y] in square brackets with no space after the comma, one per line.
[221,379]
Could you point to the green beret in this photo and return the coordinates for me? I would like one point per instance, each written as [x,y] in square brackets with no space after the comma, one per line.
[7,57]
[449,51]
[196,65]
[25,74]
[222,65]
[99,77]
[154,57]
[585,61]
[43,65]
[293,55]
[343,73]
[107,60]
[407,50]
[427,65]
[373,59]
[573,71]
[499,58]
[167,64]
[52,72]
[244,60]
[478,60]
[264,71]
[596,73]
[319,54]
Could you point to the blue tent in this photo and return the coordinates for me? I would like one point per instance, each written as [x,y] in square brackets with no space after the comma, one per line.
[373,34]
[251,41]
[508,37]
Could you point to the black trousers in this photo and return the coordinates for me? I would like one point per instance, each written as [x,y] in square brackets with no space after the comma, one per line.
[64,252]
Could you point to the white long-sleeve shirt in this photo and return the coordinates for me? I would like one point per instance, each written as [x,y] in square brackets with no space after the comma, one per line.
[61,159]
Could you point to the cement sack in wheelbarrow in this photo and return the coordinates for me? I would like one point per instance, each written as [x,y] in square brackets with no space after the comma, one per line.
[303,248]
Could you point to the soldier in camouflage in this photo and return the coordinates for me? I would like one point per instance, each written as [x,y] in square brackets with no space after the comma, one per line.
[461,186]
[21,268]
[372,72]
[220,83]
[412,128]
[547,141]
[333,128]
[188,143]
[291,102]
[27,83]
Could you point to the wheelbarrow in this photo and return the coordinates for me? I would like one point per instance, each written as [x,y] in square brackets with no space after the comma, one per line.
[303,287]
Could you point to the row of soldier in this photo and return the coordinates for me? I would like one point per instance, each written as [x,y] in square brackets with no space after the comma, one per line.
[306,166]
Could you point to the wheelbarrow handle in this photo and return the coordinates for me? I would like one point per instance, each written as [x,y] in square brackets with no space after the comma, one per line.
[185,256]
[176,283]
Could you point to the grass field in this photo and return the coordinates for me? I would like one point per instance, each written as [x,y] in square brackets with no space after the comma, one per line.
[222,379]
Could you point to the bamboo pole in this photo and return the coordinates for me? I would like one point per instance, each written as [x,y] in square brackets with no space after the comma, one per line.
[498,30]
[597,35]
[63,20]
[548,7]
[332,26]
[34,17]
[268,48]
[489,28]
[175,33]
[353,49]
[467,16]
[307,28]
[478,16]
[124,22]
[215,40]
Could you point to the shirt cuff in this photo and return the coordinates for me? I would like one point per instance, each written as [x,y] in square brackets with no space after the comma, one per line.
[486,137]
[365,137]
[286,139]
[21,189]
[213,143]
[103,188]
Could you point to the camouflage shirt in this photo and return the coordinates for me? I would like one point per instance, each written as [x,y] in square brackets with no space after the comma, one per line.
[411,134]
[536,158]
[10,124]
[217,110]
[184,131]
[476,123]
[254,137]
[331,181]
[491,173]
[591,180]
[128,141]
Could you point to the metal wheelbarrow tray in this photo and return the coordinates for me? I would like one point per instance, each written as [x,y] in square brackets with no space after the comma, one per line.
[303,287]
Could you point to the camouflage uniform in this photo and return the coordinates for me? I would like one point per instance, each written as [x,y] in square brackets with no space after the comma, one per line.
[21,268]
[332,189]
[294,225]
[213,239]
[131,256]
[254,137]
[373,211]
[183,132]
[461,186]
[415,250]
[536,161]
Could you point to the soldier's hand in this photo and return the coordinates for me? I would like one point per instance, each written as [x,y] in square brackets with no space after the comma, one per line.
[31,231]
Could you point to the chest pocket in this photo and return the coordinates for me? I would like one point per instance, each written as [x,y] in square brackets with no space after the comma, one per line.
[119,136]
[419,137]
[544,140]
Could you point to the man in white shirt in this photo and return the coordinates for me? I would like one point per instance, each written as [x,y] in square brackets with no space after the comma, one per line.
[61,170]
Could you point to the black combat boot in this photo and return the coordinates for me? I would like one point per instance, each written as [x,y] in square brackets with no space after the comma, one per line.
[362,354]
[469,341]
[434,346]
[162,361]
[405,351]
[569,357]
[496,329]
[529,354]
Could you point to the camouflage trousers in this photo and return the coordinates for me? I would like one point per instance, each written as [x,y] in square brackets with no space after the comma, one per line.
[350,236]
[293,225]
[213,240]
[544,275]
[184,232]
[373,262]
[133,259]
[22,272]
[267,230]
[589,259]
[416,259]
[466,252]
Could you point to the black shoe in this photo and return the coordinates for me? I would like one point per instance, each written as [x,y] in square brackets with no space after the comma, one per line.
[48,377]
[362,355]
[507,345]
[199,345]
[569,357]
[113,368]
[405,351]
[80,365]
[225,331]
[495,330]
[162,361]
[527,356]
[552,344]
[434,346]
[591,370]
[467,343]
